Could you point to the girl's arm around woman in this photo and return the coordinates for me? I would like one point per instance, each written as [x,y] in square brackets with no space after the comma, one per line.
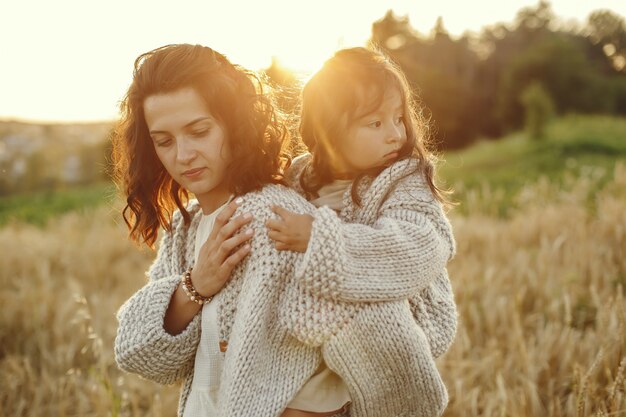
[406,248]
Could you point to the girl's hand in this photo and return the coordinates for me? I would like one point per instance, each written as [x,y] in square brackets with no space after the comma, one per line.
[222,251]
[292,231]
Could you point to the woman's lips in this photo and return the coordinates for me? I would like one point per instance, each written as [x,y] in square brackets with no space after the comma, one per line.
[192,173]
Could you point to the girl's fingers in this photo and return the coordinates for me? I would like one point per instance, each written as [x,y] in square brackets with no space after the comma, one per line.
[283,213]
[276,236]
[276,225]
[281,246]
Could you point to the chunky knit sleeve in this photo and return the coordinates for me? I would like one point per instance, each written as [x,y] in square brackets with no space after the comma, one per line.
[434,310]
[406,248]
[142,346]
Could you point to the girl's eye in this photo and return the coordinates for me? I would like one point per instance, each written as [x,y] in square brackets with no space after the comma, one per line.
[377,123]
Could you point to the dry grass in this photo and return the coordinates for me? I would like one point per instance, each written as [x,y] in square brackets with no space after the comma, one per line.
[541,300]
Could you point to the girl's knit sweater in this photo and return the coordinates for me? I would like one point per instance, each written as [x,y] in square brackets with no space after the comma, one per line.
[432,304]
[382,261]
[279,308]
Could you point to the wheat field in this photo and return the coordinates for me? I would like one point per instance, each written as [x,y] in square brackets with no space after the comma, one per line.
[542,328]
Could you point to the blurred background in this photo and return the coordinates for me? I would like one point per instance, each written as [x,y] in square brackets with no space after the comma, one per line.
[527,102]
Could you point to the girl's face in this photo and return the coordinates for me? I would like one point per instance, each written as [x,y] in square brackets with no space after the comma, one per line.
[190,143]
[375,139]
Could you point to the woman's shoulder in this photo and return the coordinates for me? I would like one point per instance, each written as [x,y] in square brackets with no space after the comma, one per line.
[298,164]
[259,202]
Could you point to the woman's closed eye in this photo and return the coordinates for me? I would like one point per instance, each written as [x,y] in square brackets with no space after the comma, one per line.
[199,133]
[161,143]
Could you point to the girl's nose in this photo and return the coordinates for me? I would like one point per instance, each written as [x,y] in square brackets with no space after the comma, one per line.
[396,133]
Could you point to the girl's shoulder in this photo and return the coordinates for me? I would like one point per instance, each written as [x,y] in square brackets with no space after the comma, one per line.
[402,183]
[403,168]
[404,174]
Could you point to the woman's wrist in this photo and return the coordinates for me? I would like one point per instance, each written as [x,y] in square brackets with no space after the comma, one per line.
[191,291]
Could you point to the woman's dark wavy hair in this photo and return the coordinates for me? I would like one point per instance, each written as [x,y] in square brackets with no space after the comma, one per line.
[350,85]
[234,96]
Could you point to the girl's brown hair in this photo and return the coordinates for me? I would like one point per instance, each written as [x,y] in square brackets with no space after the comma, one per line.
[334,98]
[233,95]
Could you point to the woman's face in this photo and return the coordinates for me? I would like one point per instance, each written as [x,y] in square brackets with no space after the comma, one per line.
[190,143]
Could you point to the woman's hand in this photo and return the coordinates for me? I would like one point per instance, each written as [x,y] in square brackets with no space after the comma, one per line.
[222,251]
[216,260]
[292,231]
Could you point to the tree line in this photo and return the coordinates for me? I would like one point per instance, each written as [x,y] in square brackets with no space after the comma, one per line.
[507,76]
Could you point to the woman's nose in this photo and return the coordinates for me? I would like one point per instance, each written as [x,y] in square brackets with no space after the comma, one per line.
[185,152]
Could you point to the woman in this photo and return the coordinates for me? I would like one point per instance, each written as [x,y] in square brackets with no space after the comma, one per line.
[193,123]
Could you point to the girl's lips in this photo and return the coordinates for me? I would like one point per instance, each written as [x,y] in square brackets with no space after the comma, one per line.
[392,155]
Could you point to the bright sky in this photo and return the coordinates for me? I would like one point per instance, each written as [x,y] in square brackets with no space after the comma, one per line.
[71,60]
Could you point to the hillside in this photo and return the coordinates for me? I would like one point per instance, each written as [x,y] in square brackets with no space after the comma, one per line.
[13,132]
[487,177]
[45,156]
[496,171]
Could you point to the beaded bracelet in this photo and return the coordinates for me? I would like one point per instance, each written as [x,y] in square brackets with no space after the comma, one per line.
[190,290]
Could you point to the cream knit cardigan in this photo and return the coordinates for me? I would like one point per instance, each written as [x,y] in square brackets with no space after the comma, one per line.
[377,347]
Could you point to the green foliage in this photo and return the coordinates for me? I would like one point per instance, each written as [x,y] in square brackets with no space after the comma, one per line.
[538,109]
[497,170]
[534,18]
[608,31]
[38,207]
[472,85]
[564,71]
[442,72]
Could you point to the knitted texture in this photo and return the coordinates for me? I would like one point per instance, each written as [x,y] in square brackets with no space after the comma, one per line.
[432,303]
[388,272]
[378,348]
[264,367]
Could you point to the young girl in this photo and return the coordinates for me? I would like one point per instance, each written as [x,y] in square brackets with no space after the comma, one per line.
[379,243]
[194,123]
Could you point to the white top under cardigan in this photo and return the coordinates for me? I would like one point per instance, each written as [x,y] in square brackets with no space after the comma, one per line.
[324,392]
[202,400]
